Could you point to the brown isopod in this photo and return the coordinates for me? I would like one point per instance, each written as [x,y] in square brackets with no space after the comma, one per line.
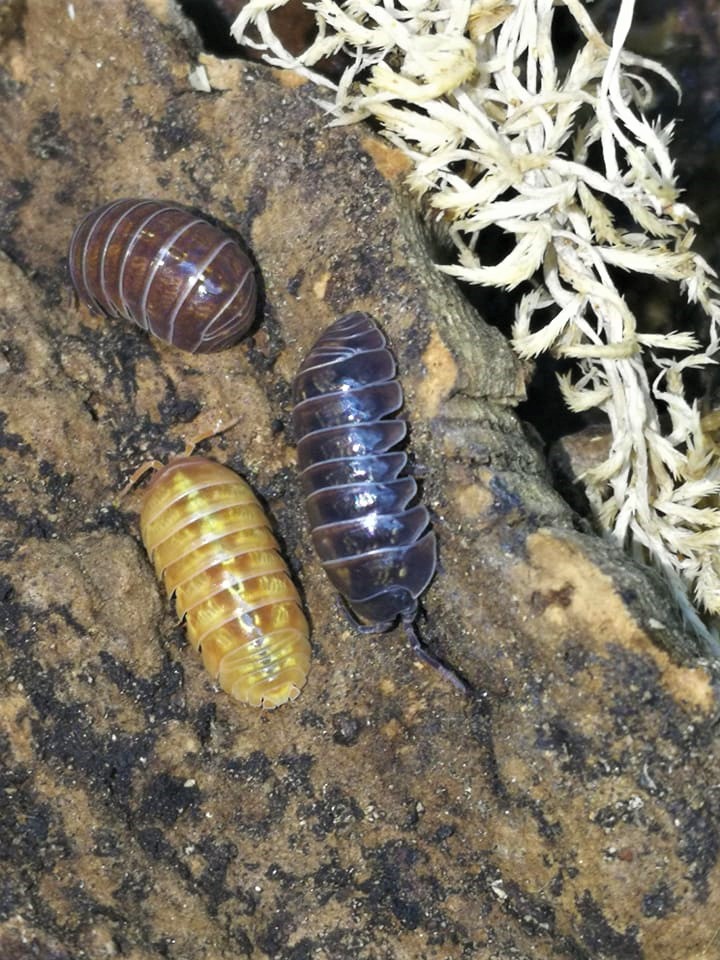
[172,273]
[209,540]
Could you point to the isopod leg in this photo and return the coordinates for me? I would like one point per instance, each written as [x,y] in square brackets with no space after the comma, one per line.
[139,473]
[219,427]
[424,655]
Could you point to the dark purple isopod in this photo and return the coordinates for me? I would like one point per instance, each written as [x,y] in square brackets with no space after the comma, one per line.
[376,550]
[171,272]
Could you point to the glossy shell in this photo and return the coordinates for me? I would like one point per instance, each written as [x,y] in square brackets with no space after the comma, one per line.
[172,273]
[375,549]
[209,540]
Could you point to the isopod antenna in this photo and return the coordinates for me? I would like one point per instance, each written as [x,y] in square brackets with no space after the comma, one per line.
[422,653]
[416,644]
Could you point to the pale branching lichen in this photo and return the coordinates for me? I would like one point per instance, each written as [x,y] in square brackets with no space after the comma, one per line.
[502,133]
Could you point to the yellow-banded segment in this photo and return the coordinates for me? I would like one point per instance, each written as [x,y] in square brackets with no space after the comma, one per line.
[205,501]
[211,581]
[209,540]
[220,550]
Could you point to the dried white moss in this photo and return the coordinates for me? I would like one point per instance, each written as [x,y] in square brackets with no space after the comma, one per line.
[499,133]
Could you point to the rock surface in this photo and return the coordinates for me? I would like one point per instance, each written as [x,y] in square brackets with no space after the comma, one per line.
[568,810]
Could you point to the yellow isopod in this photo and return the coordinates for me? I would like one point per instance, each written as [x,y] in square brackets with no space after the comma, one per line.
[210,542]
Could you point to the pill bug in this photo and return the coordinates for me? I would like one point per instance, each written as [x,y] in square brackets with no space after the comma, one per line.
[172,273]
[209,540]
[376,549]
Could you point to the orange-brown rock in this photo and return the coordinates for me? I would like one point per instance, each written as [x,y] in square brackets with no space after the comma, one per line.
[568,810]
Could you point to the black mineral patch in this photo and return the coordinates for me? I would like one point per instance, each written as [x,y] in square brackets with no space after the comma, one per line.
[173,409]
[659,902]
[332,882]
[218,856]
[601,938]
[559,736]
[533,912]
[71,745]
[153,842]
[698,841]
[10,88]
[6,589]
[205,721]
[10,440]
[334,813]
[346,728]
[165,798]
[12,351]
[56,484]
[175,130]
[255,768]
[15,194]
[273,939]
[47,141]
[395,891]
[295,282]
[38,526]
[156,695]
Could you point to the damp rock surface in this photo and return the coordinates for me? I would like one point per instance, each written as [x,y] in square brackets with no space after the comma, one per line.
[568,809]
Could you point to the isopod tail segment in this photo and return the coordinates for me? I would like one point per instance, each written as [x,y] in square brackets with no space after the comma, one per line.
[421,652]
[210,542]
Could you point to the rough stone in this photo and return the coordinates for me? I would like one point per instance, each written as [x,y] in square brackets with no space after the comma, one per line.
[569,809]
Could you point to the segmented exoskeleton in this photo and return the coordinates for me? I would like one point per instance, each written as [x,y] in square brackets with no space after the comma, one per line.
[375,548]
[171,272]
[209,540]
